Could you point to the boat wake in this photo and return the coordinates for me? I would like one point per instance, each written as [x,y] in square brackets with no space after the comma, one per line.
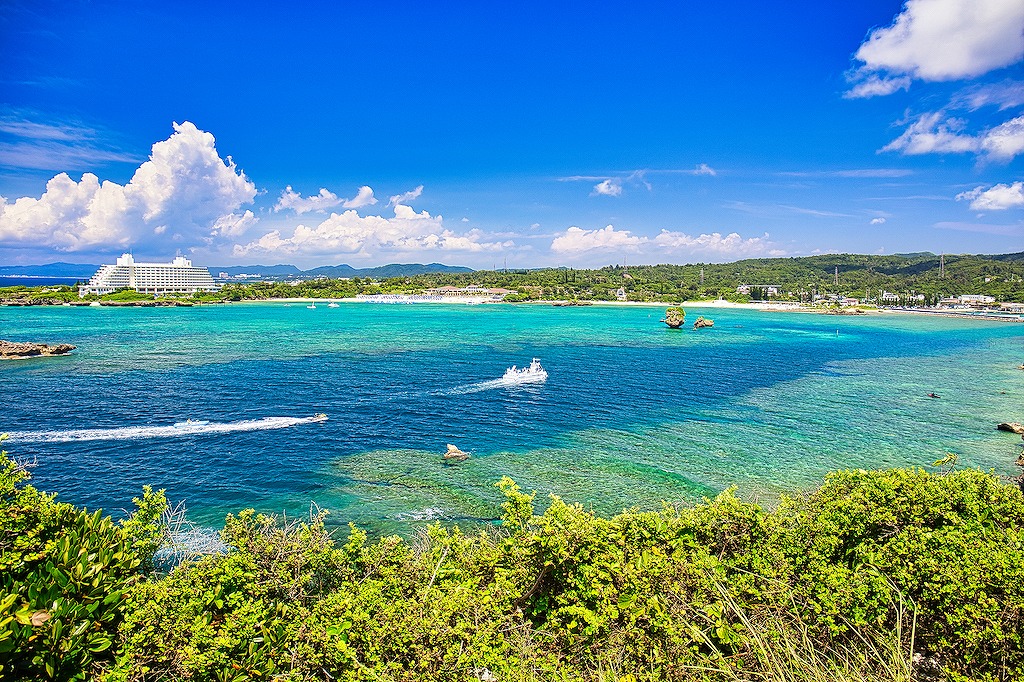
[513,377]
[177,430]
[491,384]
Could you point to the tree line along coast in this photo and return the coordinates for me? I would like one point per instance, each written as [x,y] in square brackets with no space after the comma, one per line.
[908,280]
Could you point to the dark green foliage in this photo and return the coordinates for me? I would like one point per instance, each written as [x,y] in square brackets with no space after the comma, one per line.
[63,576]
[566,595]
[953,545]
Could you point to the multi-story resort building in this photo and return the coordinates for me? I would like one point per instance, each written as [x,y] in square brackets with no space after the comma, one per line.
[178,276]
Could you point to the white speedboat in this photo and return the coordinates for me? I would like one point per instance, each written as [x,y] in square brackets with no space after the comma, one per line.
[534,374]
[332,304]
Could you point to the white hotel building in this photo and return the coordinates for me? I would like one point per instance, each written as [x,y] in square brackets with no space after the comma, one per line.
[177,277]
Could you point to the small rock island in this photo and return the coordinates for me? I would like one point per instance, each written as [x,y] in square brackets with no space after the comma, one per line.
[674,317]
[12,350]
[701,322]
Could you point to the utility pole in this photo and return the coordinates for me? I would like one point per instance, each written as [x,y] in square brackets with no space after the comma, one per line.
[836,279]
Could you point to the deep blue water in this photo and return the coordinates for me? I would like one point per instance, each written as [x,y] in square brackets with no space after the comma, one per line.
[633,413]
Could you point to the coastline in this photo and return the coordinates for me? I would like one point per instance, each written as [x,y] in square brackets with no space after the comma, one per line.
[414,299]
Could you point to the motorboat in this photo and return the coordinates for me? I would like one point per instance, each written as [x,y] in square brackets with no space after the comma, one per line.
[318,417]
[534,374]
[332,304]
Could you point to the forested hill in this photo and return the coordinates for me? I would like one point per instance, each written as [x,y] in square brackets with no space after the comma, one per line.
[1001,276]
[797,279]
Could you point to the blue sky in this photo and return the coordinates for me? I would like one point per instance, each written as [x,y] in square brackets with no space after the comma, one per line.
[530,134]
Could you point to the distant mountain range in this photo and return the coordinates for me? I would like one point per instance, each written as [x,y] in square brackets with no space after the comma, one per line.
[85,270]
[79,270]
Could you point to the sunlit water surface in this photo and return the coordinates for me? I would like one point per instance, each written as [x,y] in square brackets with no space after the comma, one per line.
[631,415]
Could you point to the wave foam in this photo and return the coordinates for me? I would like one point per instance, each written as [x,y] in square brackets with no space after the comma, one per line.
[428,514]
[174,431]
[490,384]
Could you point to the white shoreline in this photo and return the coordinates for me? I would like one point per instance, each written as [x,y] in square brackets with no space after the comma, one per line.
[715,303]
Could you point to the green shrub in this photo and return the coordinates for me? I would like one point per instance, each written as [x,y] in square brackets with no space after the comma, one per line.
[63,575]
[950,544]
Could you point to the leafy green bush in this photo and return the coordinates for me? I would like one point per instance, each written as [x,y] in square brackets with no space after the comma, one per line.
[63,576]
[952,545]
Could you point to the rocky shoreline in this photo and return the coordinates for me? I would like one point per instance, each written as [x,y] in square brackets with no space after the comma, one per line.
[13,350]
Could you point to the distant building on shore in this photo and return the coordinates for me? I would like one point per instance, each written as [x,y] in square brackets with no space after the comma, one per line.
[766,290]
[976,299]
[177,277]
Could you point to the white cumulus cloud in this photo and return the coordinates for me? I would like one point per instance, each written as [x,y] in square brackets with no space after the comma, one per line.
[320,203]
[349,234]
[1005,141]
[934,133]
[940,40]
[996,198]
[714,244]
[611,187]
[183,195]
[878,221]
[364,197]
[576,240]
[290,199]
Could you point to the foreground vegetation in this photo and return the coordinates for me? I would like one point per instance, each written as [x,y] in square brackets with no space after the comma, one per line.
[798,279]
[877,575]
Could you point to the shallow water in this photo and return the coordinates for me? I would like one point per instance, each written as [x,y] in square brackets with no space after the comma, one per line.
[632,413]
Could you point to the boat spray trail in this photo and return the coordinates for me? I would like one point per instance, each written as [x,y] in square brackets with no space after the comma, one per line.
[177,430]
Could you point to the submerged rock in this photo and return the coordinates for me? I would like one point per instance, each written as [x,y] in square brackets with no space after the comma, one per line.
[1012,427]
[454,455]
[703,322]
[674,317]
[12,350]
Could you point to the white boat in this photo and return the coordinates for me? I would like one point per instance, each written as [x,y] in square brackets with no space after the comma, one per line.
[311,306]
[534,374]
[332,304]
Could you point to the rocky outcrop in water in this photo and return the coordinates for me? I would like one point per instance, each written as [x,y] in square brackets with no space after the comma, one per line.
[703,322]
[1012,427]
[454,455]
[12,350]
[674,317]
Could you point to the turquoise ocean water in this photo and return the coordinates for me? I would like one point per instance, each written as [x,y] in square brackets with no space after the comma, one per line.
[633,413]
